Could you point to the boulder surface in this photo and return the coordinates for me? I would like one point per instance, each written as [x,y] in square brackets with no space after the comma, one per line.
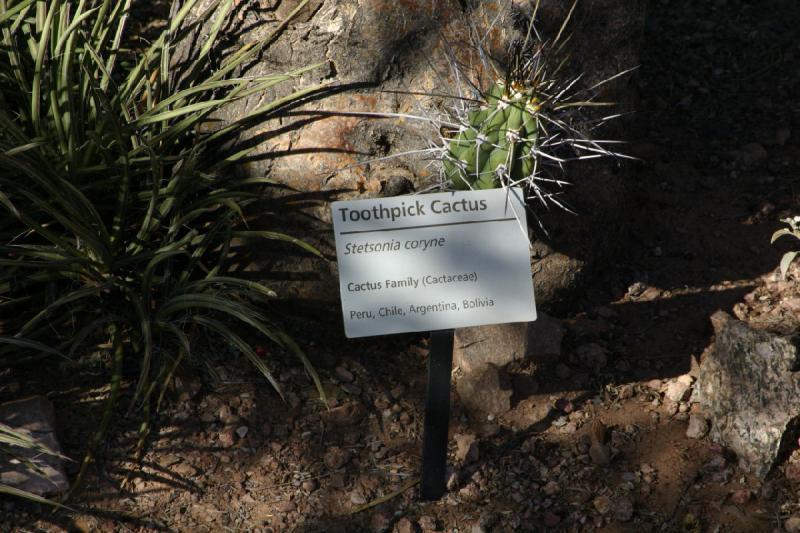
[383,56]
[29,469]
[749,387]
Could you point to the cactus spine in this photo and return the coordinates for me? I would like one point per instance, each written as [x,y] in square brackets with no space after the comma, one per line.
[498,144]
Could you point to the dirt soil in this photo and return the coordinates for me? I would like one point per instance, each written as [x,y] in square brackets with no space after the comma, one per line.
[718,134]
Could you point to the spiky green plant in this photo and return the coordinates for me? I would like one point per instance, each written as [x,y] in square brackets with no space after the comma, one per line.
[794,231]
[513,119]
[524,125]
[119,211]
[498,144]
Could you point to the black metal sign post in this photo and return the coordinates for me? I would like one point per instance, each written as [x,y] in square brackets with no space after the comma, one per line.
[401,250]
[437,416]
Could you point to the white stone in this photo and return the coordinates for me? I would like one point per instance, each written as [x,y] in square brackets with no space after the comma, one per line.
[698,427]
[678,391]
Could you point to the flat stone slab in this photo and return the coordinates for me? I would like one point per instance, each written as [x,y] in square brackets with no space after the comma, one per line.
[35,418]
[501,344]
[487,391]
[749,387]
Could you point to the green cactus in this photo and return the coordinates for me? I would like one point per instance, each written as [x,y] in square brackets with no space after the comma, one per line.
[497,146]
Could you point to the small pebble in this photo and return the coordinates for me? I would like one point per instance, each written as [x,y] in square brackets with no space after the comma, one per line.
[602,504]
[623,509]
[552,488]
[741,496]
[357,498]
[551,519]
[404,525]
[225,437]
[287,507]
[428,523]
[792,524]
[343,374]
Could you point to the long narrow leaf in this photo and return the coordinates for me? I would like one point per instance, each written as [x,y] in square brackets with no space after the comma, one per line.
[295,349]
[37,72]
[31,345]
[70,297]
[193,303]
[230,283]
[7,13]
[240,345]
[786,261]
[274,235]
[19,493]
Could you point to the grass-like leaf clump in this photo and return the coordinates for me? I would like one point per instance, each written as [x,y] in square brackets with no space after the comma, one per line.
[118,212]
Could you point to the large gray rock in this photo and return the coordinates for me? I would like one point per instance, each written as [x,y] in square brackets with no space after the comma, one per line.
[749,387]
[501,344]
[379,52]
[28,469]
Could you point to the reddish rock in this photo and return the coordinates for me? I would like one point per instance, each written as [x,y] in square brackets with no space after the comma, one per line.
[602,504]
[551,519]
[428,524]
[380,521]
[466,448]
[336,457]
[404,525]
[741,496]
[227,437]
[347,414]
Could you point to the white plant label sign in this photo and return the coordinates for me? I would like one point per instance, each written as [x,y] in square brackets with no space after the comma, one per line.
[434,261]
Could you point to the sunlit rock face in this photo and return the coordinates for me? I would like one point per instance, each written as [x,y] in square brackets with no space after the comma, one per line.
[381,56]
